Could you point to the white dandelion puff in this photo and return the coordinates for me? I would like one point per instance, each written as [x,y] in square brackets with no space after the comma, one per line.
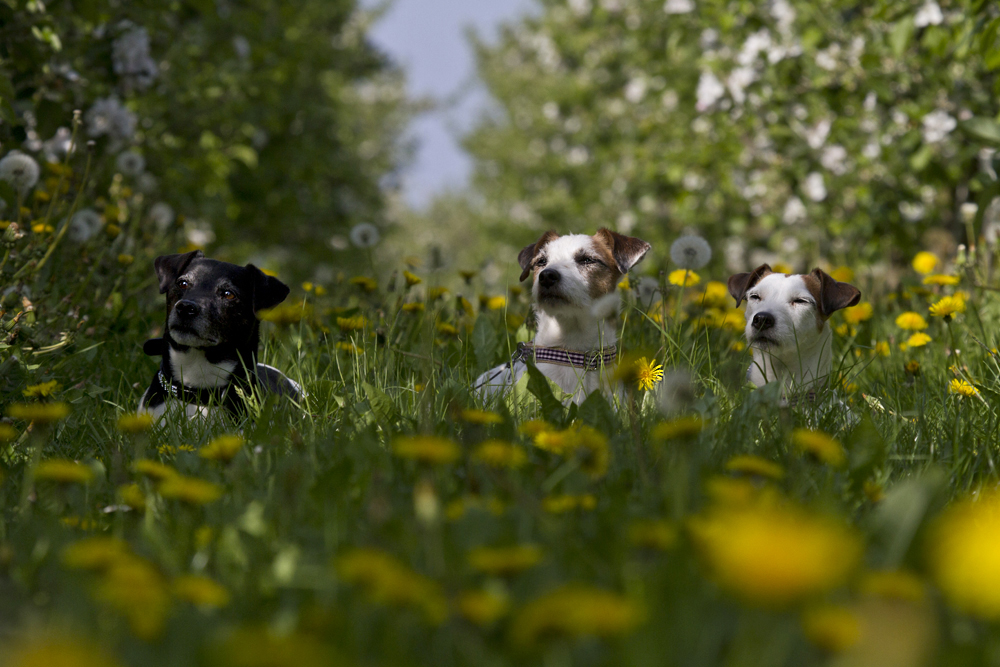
[146,183]
[814,186]
[56,148]
[795,211]
[84,224]
[929,14]
[131,61]
[130,164]
[365,235]
[647,291]
[710,90]
[107,117]
[690,252]
[20,170]
[937,125]
[678,6]
[607,306]
[676,392]
[161,214]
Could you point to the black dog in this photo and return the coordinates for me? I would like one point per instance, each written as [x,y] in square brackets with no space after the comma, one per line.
[209,344]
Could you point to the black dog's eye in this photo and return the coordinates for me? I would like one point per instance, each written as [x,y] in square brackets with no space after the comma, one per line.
[183,284]
[228,294]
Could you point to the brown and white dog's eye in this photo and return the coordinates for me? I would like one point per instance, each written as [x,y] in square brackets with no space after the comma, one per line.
[585,260]
[228,295]
[801,302]
[541,262]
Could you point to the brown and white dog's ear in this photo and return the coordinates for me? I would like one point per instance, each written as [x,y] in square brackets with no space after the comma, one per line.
[831,295]
[739,283]
[168,267]
[527,254]
[268,291]
[627,250]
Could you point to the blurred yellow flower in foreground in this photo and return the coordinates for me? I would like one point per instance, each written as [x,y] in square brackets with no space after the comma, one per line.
[653,534]
[190,490]
[135,422]
[505,560]
[57,652]
[918,339]
[388,581]
[680,428]
[948,306]
[426,448]
[962,388]
[574,611]
[925,262]
[413,307]
[40,413]
[500,454]
[412,279]
[154,469]
[533,427]
[63,470]
[286,313]
[7,433]
[772,553]
[135,588]
[348,347]
[683,278]
[132,495]
[833,628]
[911,321]
[262,647]
[473,416]
[42,390]
[882,348]
[940,279]
[587,443]
[819,445]
[222,448]
[200,591]
[568,503]
[355,323]
[963,552]
[446,329]
[859,313]
[892,584]
[95,553]
[365,283]
[482,607]
[754,465]
[716,295]
[495,302]
[844,274]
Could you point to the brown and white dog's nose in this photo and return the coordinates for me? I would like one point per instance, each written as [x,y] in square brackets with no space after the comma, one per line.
[186,309]
[762,321]
[548,277]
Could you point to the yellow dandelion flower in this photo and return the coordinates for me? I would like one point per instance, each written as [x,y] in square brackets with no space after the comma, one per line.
[468,275]
[39,413]
[873,491]
[625,283]
[910,321]
[533,427]
[61,651]
[683,278]
[716,295]
[781,267]
[925,262]
[819,445]
[286,313]
[389,582]
[755,465]
[963,552]
[7,433]
[857,314]
[495,302]
[883,349]
[348,347]
[426,448]
[222,448]
[132,495]
[833,628]
[189,490]
[64,471]
[940,279]
[435,293]
[844,274]
[505,560]
[355,323]
[125,259]
[589,444]
[473,416]
[200,591]
[412,279]
[918,339]
[653,534]
[43,390]
[319,290]
[678,429]
[484,608]
[459,507]
[947,307]
[649,373]
[446,329]
[365,283]
[499,454]
[567,503]
[893,585]
[413,307]
[262,647]
[134,587]
[41,228]
[114,230]
[557,442]
[135,422]
[774,554]
[575,611]
[962,388]
[94,553]
[154,469]
[912,367]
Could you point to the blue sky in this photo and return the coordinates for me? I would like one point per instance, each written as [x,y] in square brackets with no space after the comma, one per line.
[427,37]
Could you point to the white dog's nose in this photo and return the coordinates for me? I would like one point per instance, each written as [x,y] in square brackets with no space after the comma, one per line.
[762,321]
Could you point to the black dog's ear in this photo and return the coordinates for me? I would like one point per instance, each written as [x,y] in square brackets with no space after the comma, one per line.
[739,283]
[168,267]
[268,291]
[527,254]
[831,295]
[627,250]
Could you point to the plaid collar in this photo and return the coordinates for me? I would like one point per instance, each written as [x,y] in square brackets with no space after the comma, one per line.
[590,360]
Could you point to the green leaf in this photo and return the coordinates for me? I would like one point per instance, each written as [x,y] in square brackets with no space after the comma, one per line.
[538,385]
[381,405]
[484,342]
[900,36]
[983,129]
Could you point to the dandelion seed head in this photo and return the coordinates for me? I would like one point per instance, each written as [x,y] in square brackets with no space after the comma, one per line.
[130,164]
[20,170]
[84,224]
[162,215]
[690,252]
[365,235]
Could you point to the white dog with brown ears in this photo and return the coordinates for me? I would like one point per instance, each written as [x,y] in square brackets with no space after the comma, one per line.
[787,326]
[574,346]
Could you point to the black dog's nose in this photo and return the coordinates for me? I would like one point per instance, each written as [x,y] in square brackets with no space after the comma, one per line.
[187,309]
[763,321]
[548,277]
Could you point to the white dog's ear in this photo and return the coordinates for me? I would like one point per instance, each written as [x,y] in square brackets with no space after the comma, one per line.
[627,250]
[527,255]
[739,283]
[168,267]
[830,294]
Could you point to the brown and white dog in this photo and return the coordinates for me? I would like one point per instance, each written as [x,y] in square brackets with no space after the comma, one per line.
[575,346]
[787,327]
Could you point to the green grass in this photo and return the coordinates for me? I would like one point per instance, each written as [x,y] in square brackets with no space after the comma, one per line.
[316,481]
